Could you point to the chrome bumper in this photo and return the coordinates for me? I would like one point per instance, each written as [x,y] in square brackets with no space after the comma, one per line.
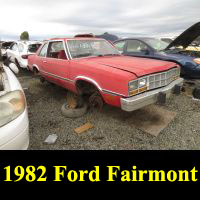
[147,98]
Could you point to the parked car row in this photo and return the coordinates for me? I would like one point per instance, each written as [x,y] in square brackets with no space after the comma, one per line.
[129,73]
[18,51]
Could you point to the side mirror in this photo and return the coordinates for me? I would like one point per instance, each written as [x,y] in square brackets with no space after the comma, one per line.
[14,68]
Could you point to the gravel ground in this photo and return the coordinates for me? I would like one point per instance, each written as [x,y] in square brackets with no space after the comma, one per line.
[113,128]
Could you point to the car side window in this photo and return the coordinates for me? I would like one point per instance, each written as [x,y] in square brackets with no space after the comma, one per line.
[56,50]
[135,46]
[120,46]
[43,51]
[21,48]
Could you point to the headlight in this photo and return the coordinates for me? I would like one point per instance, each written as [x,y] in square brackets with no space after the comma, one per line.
[12,105]
[133,85]
[197,61]
[142,82]
[137,86]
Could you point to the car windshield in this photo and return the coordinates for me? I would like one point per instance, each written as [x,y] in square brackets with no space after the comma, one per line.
[85,48]
[156,44]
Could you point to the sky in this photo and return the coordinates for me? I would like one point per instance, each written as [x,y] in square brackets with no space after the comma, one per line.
[44,19]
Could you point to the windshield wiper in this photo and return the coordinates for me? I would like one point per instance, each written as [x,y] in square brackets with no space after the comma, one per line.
[109,54]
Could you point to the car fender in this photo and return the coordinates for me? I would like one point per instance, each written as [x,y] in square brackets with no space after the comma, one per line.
[88,79]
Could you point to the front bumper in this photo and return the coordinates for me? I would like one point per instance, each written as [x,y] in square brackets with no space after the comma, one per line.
[147,98]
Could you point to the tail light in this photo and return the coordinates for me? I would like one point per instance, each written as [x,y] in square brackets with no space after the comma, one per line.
[25,56]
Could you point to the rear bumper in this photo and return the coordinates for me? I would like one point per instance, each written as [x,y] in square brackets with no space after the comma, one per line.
[147,98]
[24,63]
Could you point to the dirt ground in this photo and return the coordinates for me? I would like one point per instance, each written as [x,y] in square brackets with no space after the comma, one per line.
[113,128]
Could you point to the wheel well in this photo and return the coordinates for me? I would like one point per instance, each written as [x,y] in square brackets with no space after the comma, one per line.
[90,93]
[85,87]
[35,69]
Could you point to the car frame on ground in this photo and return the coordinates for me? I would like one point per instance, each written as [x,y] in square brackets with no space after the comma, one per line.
[147,47]
[19,50]
[14,122]
[93,67]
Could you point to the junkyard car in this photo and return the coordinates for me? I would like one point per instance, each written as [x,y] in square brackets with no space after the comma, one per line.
[92,65]
[20,49]
[4,46]
[14,123]
[157,49]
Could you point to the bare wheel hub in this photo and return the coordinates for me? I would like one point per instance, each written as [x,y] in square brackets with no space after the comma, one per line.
[96,101]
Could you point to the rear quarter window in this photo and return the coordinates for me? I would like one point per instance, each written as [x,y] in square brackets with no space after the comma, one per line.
[43,51]
[32,48]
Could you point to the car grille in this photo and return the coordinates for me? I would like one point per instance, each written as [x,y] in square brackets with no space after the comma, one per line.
[162,79]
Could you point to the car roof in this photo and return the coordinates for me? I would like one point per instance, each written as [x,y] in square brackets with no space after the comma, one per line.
[136,38]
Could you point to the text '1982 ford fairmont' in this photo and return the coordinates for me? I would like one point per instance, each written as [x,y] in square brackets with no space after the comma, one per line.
[88,65]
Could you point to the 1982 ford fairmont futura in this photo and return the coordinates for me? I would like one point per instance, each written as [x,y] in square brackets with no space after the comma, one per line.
[91,65]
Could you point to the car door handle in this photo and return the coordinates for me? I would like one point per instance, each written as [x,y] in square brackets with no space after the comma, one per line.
[44,61]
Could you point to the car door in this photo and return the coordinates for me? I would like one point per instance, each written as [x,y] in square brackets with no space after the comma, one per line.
[12,52]
[40,60]
[57,64]
[137,48]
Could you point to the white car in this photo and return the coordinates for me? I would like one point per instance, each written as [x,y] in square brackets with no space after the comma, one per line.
[4,47]
[19,50]
[14,123]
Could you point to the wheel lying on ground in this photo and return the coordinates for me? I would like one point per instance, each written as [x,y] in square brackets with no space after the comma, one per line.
[73,112]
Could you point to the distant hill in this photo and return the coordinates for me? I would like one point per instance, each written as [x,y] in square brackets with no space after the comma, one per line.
[108,36]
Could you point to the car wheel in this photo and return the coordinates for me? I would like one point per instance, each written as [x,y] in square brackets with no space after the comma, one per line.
[96,101]
[73,113]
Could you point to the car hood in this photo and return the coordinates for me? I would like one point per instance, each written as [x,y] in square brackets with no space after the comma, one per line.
[187,37]
[138,66]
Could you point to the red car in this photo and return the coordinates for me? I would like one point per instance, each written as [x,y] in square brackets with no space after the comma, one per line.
[93,66]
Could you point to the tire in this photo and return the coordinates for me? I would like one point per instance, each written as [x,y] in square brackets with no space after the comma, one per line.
[35,71]
[73,113]
[196,93]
